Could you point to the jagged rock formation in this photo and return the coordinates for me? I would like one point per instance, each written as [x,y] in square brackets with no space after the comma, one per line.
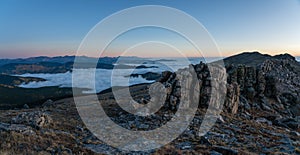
[272,86]
[273,79]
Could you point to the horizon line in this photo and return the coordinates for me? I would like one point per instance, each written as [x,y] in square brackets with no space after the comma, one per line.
[50,56]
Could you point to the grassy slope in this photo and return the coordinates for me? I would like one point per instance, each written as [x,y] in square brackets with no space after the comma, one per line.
[15,80]
[16,97]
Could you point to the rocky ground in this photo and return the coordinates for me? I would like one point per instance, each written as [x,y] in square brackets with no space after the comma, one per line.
[261,115]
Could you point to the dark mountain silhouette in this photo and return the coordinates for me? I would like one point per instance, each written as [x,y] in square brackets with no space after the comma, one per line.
[254,58]
[59,59]
[64,64]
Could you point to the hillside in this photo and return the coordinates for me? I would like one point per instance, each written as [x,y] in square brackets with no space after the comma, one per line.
[13,96]
[260,115]
[12,81]
[254,58]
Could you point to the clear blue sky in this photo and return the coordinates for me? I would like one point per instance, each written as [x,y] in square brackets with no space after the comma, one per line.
[54,27]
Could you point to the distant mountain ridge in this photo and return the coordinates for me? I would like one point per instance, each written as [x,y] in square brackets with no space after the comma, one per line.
[57,59]
[254,58]
[239,58]
[62,64]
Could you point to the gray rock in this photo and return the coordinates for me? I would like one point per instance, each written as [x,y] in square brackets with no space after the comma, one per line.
[232,98]
[295,133]
[204,140]
[244,104]
[4,126]
[220,119]
[101,148]
[143,126]
[184,145]
[16,127]
[292,123]
[25,106]
[225,150]
[295,110]
[48,103]
[250,93]
[263,120]
[34,119]
[215,153]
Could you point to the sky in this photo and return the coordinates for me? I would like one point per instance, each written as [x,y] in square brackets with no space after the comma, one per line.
[51,28]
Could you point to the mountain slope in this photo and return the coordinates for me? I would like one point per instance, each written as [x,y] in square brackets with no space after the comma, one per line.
[12,81]
[254,58]
[260,114]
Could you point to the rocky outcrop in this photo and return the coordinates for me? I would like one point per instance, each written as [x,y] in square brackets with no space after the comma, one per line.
[274,79]
[48,103]
[271,86]
[194,82]
[232,98]
[34,119]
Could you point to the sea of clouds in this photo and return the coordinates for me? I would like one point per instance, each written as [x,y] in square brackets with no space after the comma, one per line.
[106,78]
[103,79]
